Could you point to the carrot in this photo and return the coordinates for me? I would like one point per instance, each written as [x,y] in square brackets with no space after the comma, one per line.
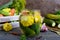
[12,12]
[1,15]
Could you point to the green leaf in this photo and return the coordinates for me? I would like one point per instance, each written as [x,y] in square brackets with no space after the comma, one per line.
[23,37]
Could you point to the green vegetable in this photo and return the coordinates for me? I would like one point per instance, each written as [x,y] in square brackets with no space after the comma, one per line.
[49,22]
[58,26]
[23,37]
[57,12]
[52,16]
[58,22]
[40,25]
[36,27]
[27,31]
[5,11]
[18,5]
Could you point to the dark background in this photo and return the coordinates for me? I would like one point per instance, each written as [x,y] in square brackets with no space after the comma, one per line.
[46,6]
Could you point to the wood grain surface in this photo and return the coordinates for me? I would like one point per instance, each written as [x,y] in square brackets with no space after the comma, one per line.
[54,29]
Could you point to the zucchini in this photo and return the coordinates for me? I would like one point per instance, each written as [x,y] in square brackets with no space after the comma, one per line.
[52,16]
[58,22]
[49,22]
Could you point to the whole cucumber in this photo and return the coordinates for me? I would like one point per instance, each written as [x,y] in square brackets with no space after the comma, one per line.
[49,22]
[52,16]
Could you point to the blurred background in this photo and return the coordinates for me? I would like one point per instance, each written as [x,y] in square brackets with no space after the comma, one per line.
[46,6]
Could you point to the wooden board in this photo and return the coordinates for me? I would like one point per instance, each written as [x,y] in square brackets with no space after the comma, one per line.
[55,29]
[10,19]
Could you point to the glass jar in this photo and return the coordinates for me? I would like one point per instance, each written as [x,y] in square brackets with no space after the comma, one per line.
[30,22]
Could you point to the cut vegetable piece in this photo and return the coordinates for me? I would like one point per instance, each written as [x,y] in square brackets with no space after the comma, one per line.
[1,15]
[12,12]
[53,24]
[58,25]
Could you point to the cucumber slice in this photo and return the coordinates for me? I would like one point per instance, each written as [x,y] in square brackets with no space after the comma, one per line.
[53,24]
[58,25]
